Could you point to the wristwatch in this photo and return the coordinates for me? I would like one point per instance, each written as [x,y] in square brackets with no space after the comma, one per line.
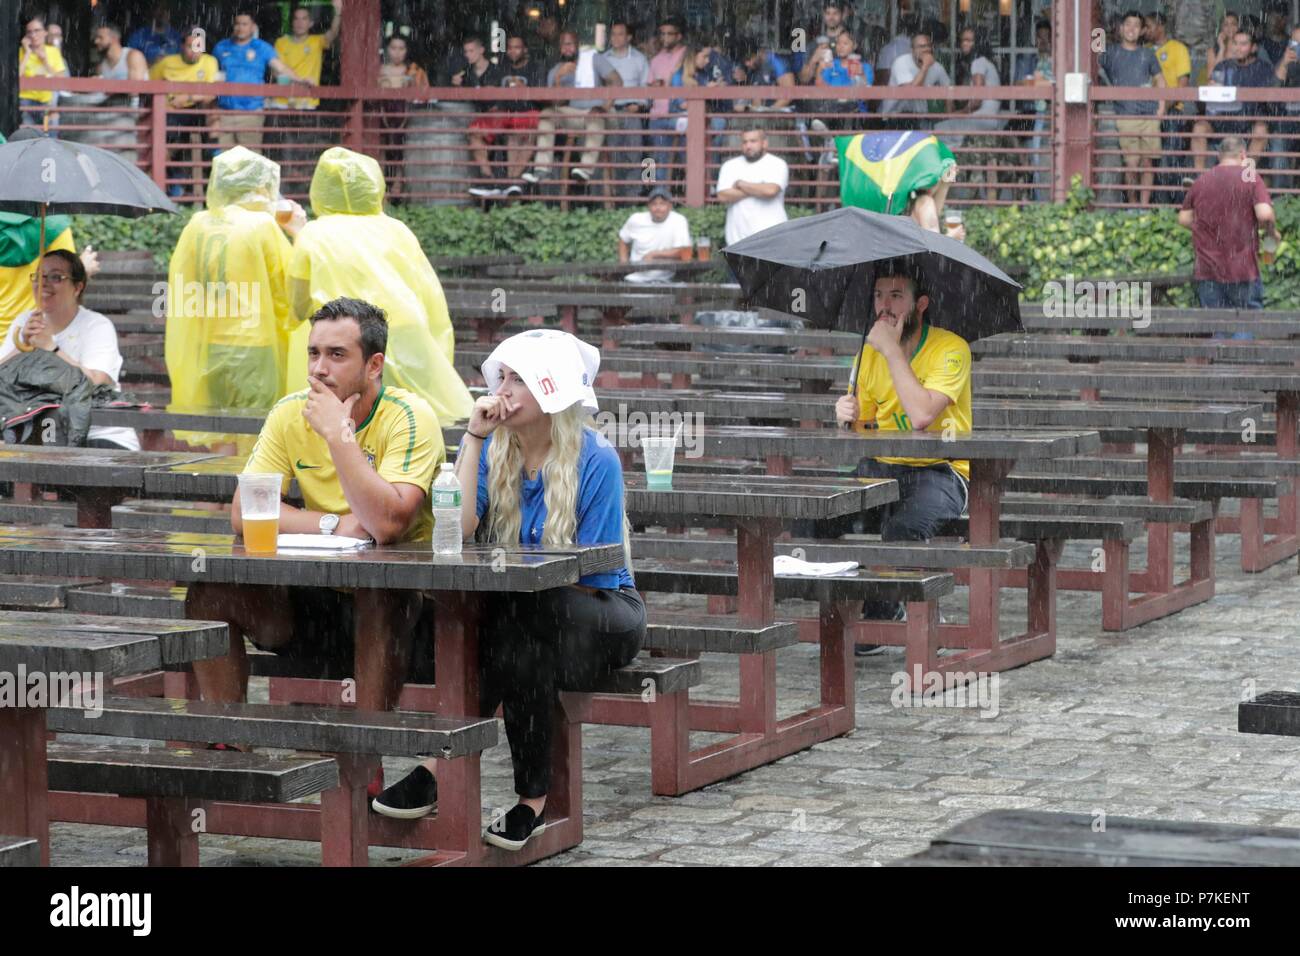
[328,523]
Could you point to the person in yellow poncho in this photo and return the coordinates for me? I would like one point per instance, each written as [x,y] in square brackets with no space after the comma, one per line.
[228,310]
[353,250]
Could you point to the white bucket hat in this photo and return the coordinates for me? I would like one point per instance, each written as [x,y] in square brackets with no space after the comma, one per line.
[558,368]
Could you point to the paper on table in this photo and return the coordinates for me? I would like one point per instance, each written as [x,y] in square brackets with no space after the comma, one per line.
[320,542]
[785,564]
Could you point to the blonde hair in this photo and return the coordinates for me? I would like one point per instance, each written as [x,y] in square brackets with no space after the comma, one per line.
[559,480]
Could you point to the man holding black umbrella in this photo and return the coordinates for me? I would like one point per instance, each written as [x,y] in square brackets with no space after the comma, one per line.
[911,376]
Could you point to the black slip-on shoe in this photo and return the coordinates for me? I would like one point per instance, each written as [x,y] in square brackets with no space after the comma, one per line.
[412,797]
[516,828]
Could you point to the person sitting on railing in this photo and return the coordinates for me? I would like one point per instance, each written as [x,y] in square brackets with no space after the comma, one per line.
[657,233]
[156,39]
[834,13]
[37,58]
[1236,118]
[187,117]
[1037,70]
[629,119]
[712,68]
[513,120]
[1129,63]
[973,67]
[118,62]
[480,73]
[916,69]
[760,66]
[245,58]
[844,67]
[1176,64]
[579,69]
[901,44]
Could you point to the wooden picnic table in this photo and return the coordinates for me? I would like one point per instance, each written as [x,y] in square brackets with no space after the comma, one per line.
[1172,322]
[98,478]
[760,510]
[702,335]
[1164,425]
[992,456]
[1123,348]
[548,270]
[62,644]
[476,263]
[456,582]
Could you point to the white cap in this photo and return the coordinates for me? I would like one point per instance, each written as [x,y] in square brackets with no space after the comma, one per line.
[558,368]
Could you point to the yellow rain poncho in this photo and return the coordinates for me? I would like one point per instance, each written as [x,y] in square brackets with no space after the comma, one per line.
[228,309]
[353,249]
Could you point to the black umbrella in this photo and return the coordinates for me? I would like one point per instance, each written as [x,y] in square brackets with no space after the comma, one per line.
[39,175]
[822,269]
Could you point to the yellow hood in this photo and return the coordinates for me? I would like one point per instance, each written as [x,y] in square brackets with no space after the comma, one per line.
[347,182]
[241,177]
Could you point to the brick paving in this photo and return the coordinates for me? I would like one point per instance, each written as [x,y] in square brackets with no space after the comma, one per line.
[1138,724]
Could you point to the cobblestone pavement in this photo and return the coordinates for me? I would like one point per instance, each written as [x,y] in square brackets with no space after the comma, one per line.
[1139,724]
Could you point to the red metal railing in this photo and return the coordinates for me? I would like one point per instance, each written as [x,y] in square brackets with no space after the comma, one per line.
[422,138]
[1181,145]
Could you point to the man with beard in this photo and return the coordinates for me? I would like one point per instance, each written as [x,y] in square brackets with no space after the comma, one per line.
[753,187]
[579,69]
[363,454]
[911,376]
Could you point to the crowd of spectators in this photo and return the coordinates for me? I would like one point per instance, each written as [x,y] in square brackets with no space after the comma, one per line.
[513,144]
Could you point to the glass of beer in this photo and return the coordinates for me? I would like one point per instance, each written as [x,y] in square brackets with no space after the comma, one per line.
[704,248]
[259,506]
[284,212]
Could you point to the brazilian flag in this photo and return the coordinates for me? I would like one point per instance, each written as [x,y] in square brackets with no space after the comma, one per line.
[880,171]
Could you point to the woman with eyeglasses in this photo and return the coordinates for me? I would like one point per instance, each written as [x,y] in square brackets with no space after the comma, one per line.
[84,339]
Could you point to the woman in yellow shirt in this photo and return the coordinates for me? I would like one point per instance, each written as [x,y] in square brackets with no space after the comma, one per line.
[36,58]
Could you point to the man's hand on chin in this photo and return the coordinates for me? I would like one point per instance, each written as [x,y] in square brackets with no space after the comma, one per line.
[885,336]
[327,416]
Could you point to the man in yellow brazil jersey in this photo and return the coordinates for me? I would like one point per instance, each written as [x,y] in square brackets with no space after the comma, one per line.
[911,377]
[364,455]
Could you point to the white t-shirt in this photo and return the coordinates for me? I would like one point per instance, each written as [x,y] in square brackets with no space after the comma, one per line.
[751,214]
[90,340]
[643,234]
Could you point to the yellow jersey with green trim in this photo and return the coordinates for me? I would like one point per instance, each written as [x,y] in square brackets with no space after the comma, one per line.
[942,364]
[401,439]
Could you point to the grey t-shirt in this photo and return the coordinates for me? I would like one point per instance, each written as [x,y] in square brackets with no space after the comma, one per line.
[1131,68]
[902,72]
[632,67]
[600,65]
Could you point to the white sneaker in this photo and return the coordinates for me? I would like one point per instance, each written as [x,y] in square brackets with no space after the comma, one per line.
[583,174]
[485,192]
[512,191]
[819,125]
[530,177]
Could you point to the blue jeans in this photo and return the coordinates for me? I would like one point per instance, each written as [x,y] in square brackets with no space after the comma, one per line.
[927,497]
[1231,295]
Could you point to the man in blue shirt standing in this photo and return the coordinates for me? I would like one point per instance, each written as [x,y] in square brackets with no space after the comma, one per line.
[244,59]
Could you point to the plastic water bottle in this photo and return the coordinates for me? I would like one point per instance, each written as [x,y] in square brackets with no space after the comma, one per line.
[446,512]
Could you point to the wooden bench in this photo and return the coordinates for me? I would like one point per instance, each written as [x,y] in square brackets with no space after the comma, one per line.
[1042,838]
[128,600]
[1258,551]
[61,513]
[32,591]
[19,851]
[174,784]
[355,739]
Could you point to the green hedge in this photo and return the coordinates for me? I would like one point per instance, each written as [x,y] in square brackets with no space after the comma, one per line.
[1038,243]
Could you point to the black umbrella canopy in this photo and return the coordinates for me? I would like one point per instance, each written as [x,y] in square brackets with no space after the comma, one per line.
[52,175]
[822,268]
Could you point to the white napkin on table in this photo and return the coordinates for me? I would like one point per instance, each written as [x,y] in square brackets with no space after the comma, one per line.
[785,564]
[321,542]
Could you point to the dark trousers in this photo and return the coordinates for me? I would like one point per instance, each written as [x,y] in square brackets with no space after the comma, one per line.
[532,646]
[927,497]
[1230,295]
